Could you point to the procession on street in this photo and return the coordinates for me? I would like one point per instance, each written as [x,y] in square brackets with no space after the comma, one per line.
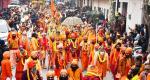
[51,42]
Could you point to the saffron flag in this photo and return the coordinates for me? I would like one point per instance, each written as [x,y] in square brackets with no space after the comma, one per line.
[53,8]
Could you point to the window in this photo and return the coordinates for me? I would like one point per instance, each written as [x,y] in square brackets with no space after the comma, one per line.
[84,1]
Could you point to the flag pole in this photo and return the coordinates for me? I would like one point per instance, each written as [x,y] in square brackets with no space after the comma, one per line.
[96,33]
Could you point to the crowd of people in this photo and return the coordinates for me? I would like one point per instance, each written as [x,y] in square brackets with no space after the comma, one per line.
[98,50]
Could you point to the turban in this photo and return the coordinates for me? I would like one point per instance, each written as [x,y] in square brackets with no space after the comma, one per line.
[63,71]
[50,74]
[75,62]
[128,50]
[73,35]
[6,55]
[34,54]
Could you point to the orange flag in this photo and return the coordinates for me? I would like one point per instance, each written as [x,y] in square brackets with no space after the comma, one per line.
[53,8]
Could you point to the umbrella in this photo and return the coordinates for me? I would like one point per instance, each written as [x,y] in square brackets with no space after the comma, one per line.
[60,3]
[72,21]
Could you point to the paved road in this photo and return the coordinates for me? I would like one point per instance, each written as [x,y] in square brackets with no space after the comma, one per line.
[108,76]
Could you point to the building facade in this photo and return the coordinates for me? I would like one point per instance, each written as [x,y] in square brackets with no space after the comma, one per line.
[131,9]
[98,5]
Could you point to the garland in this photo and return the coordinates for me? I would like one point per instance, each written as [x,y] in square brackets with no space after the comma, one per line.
[85,46]
[105,58]
[88,73]
[28,74]
[74,44]
[22,61]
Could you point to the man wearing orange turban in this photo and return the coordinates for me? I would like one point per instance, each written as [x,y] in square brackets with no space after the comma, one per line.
[124,64]
[21,57]
[19,65]
[74,45]
[31,73]
[114,58]
[14,44]
[63,75]
[67,47]
[102,62]
[92,73]
[6,66]
[50,75]
[43,48]
[34,57]
[85,50]
[59,59]
[51,59]
[74,72]
[92,47]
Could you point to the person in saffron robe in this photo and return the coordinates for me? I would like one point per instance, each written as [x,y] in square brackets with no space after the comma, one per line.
[63,75]
[64,42]
[34,57]
[114,58]
[108,45]
[59,59]
[44,46]
[50,75]
[24,42]
[74,72]
[34,45]
[67,47]
[20,64]
[84,53]
[31,73]
[124,62]
[6,66]
[102,62]
[92,49]
[74,45]
[14,46]
[51,55]
[10,33]
[92,73]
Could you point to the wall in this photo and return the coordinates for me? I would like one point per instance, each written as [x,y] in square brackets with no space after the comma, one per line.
[135,10]
[103,4]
